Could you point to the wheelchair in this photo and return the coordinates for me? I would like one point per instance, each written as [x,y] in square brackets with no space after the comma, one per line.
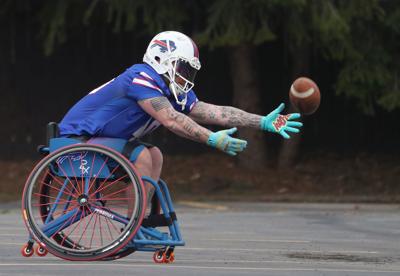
[87,202]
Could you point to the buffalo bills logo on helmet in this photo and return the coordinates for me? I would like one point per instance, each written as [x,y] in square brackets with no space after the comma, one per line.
[163,45]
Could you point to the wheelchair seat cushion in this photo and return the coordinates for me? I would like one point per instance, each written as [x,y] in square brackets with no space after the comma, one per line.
[130,149]
[57,143]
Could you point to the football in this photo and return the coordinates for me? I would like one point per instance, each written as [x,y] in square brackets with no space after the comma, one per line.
[305,96]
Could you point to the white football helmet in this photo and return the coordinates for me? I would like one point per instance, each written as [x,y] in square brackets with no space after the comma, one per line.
[175,56]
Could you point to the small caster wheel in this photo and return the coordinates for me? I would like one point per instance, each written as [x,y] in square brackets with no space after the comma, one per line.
[169,255]
[41,251]
[170,258]
[27,250]
[159,257]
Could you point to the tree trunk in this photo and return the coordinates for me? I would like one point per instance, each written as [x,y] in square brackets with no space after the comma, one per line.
[299,59]
[246,96]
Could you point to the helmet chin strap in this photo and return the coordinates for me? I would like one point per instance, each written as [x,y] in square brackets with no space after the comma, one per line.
[176,94]
[174,91]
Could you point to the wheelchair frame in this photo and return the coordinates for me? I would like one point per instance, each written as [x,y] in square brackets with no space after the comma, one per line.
[147,237]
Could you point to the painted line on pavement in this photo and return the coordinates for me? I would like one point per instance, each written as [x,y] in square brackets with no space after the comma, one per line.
[277,250]
[169,266]
[202,205]
[195,239]
[253,249]
[254,240]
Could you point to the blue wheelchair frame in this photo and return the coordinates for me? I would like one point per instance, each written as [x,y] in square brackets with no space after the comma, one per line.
[150,236]
[147,238]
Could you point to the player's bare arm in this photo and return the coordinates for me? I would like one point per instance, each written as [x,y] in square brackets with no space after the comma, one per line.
[161,110]
[226,116]
[234,117]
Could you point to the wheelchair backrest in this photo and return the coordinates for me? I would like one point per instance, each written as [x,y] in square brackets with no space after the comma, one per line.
[52,131]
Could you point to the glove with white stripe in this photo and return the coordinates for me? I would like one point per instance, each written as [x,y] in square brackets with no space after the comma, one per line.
[224,142]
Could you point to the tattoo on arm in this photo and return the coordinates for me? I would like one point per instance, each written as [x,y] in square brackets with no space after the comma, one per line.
[224,115]
[237,117]
[159,103]
[161,109]
[186,127]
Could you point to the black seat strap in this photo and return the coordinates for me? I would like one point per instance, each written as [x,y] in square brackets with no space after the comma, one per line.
[156,220]
[128,148]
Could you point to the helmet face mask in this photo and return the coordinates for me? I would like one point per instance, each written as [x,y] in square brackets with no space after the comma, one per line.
[175,56]
[183,74]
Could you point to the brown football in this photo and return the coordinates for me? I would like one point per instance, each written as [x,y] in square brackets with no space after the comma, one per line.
[304,95]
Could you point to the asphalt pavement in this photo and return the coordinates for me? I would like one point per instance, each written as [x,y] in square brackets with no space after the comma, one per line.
[242,239]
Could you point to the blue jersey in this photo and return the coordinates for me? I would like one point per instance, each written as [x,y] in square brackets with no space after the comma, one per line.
[112,110]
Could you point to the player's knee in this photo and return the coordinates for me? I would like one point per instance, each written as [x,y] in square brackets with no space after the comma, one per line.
[157,157]
[144,160]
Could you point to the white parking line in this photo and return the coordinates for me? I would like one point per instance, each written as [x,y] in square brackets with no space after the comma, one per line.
[195,239]
[232,261]
[24,233]
[203,205]
[13,228]
[277,250]
[182,260]
[299,269]
[252,249]
[253,240]
[14,235]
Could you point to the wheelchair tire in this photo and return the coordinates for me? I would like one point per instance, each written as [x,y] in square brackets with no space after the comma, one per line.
[120,254]
[93,207]
[155,210]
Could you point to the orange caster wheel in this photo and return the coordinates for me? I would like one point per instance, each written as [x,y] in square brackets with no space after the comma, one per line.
[164,256]
[41,251]
[170,258]
[159,257]
[27,250]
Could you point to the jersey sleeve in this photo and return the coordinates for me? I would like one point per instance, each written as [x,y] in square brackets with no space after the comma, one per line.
[191,102]
[142,88]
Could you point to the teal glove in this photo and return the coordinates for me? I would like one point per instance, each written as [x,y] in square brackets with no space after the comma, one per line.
[275,122]
[222,141]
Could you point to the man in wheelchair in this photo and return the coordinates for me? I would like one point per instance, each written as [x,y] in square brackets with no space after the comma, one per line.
[84,200]
[160,92]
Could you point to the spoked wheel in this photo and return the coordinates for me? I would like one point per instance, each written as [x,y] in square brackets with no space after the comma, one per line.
[84,202]
[45,207]
[155,209]
[120,254]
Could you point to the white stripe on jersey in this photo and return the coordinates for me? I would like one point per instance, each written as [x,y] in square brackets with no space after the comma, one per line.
[145,83]
[145,75]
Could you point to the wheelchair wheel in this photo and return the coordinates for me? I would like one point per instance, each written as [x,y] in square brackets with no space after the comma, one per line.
[120,254]
[154,210]
[84,202]
[44,208]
